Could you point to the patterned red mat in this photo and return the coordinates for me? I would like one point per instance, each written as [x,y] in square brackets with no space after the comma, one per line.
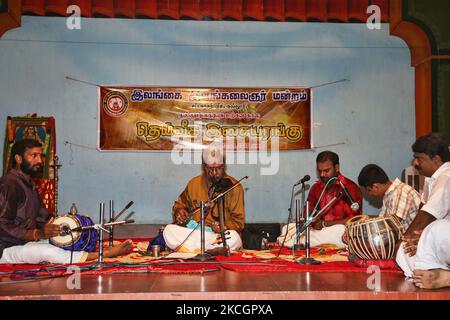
[285,260]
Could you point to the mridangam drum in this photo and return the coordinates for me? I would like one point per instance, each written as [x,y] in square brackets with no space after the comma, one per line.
[373,238]
[84,240]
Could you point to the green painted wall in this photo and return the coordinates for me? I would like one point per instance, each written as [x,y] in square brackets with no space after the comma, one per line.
[3,5]
[434,17]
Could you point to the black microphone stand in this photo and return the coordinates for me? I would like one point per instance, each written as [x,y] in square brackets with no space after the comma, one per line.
[100,227]
[299,218]
[307,259]
[290,215]
[111,228]
[314,216]
[203,256]
[99,265]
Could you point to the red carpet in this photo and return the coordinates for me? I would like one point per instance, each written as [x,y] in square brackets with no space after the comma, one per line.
[255,264]
[333,260]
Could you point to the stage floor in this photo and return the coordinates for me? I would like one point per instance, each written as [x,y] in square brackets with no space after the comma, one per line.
[224,285]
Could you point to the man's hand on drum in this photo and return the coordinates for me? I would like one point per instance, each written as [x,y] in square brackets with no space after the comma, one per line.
[181,216]
[345,237]
[411,242]
[317,225]
[49,230]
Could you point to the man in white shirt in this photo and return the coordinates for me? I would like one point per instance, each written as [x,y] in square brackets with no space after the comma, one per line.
[426,243]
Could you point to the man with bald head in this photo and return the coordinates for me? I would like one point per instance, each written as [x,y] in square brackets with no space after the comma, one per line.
[181,235]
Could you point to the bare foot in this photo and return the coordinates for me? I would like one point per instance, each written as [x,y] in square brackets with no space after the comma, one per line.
[118,250]
[431,279]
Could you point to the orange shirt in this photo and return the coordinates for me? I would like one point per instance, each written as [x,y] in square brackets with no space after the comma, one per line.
[197,191]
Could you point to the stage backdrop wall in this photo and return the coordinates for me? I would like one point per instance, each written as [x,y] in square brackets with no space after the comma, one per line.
[369,118]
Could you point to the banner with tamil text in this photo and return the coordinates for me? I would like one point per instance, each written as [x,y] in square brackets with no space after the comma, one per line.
[245,119]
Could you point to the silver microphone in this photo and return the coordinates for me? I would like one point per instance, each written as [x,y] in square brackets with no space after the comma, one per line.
[353,204]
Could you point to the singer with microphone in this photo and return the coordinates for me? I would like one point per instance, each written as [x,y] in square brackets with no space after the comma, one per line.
[204,187]
[330,227]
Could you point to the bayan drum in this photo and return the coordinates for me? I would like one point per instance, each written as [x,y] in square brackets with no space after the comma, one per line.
[84,240]
[373,238]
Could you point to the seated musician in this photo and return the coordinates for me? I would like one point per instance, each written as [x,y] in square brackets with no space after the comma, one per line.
[180,235]
[24,222]
[330,226]
[399,199]
[432,264]
[426,243]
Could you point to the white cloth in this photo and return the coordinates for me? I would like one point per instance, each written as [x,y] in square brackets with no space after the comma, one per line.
[436,199]
[436,193]
[404,261]
[433,249]
[174,235]
[327,235]
[40,252]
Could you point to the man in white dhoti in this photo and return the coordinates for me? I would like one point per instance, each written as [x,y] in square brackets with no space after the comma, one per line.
[432,261]
[25,225]
[431,159]
[330,227]
[184,234]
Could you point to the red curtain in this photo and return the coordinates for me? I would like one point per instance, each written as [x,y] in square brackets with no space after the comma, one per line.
[260,10]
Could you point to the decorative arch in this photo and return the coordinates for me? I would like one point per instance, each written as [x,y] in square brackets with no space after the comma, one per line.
[344,11]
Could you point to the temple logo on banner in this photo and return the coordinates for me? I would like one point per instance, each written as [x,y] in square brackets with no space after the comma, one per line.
[168,118]
[115,104]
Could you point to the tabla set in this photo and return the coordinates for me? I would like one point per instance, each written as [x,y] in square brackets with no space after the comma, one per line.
[373,238]
[83,240]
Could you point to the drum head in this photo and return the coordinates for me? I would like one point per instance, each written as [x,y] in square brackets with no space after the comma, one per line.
[70,221]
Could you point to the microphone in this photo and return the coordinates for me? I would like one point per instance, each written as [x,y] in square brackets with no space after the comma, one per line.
[98,225]
[124,209]
[353,204]
[303,180]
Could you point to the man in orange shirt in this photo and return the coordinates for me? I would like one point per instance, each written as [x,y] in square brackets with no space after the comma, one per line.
[201,188]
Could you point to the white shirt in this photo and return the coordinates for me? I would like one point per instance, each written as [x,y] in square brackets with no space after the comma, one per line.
[436,193]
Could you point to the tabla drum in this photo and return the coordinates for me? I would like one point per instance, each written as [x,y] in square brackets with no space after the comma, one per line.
[373,238]
[84,240]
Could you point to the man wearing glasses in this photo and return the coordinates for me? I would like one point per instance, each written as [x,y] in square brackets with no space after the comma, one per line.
[184,234]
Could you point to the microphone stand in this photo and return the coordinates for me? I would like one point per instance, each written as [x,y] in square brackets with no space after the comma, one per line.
[206,256]
[202,256]
[314,216]
[299,219]
[290,216]
[111,219]
[307,259]
[99,264]
[100,227]
[222,226]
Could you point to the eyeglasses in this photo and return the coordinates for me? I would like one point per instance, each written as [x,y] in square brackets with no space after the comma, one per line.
[214,169]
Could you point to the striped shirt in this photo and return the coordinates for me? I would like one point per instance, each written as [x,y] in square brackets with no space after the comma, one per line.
[401,200]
